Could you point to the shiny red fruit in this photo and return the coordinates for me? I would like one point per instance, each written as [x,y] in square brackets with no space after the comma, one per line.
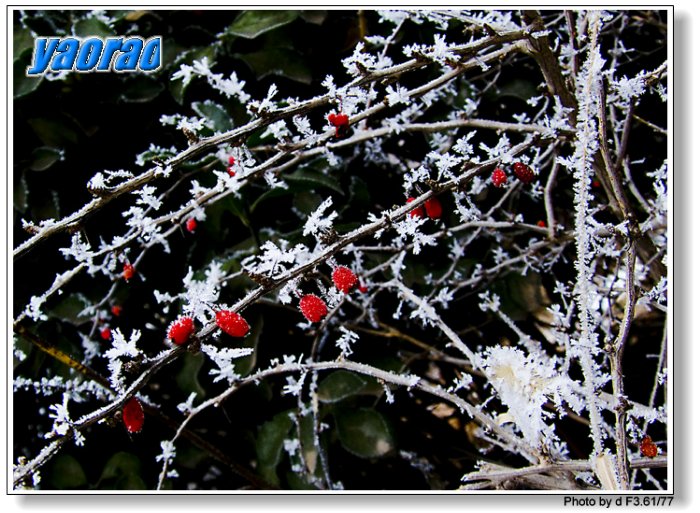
[128,271]
[433,208]
[106,333]
[648,448]
[232,323]
[416,212]
[344,279]
[313,307]
[132,415]
[524,173]
[181,330]
[191,225]
[499,177]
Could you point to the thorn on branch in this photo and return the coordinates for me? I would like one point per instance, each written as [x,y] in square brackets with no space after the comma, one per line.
[30,227]
[490,30]
[329,236]
[134,366]
[195,346]
[260,279]
[192,138]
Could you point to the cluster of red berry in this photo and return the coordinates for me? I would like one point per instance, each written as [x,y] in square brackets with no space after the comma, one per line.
[340,122]
[314,308]
[522,172]
[432,208]
[648,448]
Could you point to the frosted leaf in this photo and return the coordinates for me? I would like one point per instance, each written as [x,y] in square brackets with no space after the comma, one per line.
[167,453]
[294,386]
[61,418]
[441,51]
[444,297]
[187,406]
[346,340]
[198,295]
[359,61]
[398,95]
[274,259]
[122,347]
[409,228]
[224,360]
[318,221]
[524,384]
[278,130]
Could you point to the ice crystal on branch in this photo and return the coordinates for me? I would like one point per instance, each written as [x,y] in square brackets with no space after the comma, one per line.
[274,259]
[318,222]
[523,384]
[224,360]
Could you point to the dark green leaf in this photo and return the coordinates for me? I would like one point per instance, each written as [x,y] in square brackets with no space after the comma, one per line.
[519,88]
[359,193]
[269,445]
[92,27]
[22,84]
[315,178]
[215,113]
[177,87]
[364,432]
[188,377]
[521,295]
[339,385]
[68,309]
[22,41]
[56,133]
[277,192]
[122,472]
[297,482]
[141,89]
[44,157]
[243,366]
[316,17]
[306,202]
[279,61]
[20,193]
[67,473]
[250,24]
[119,464]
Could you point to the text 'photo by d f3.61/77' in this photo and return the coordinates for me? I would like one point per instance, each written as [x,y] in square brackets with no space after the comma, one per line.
[341,250]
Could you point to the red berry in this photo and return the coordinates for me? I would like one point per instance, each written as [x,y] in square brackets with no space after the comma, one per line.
[231,160]
[116,310]
[132,415]
[340,122]
[128,271]
[191,225]
[231,172]
[433,208]
[596,184]
[363,288]
[313,307]
[416,212]
[541,224]
[181,330]
[524,173]
[341,119]
[499,177]
[648,448]
[344,279]
[106,333]
[232,323]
